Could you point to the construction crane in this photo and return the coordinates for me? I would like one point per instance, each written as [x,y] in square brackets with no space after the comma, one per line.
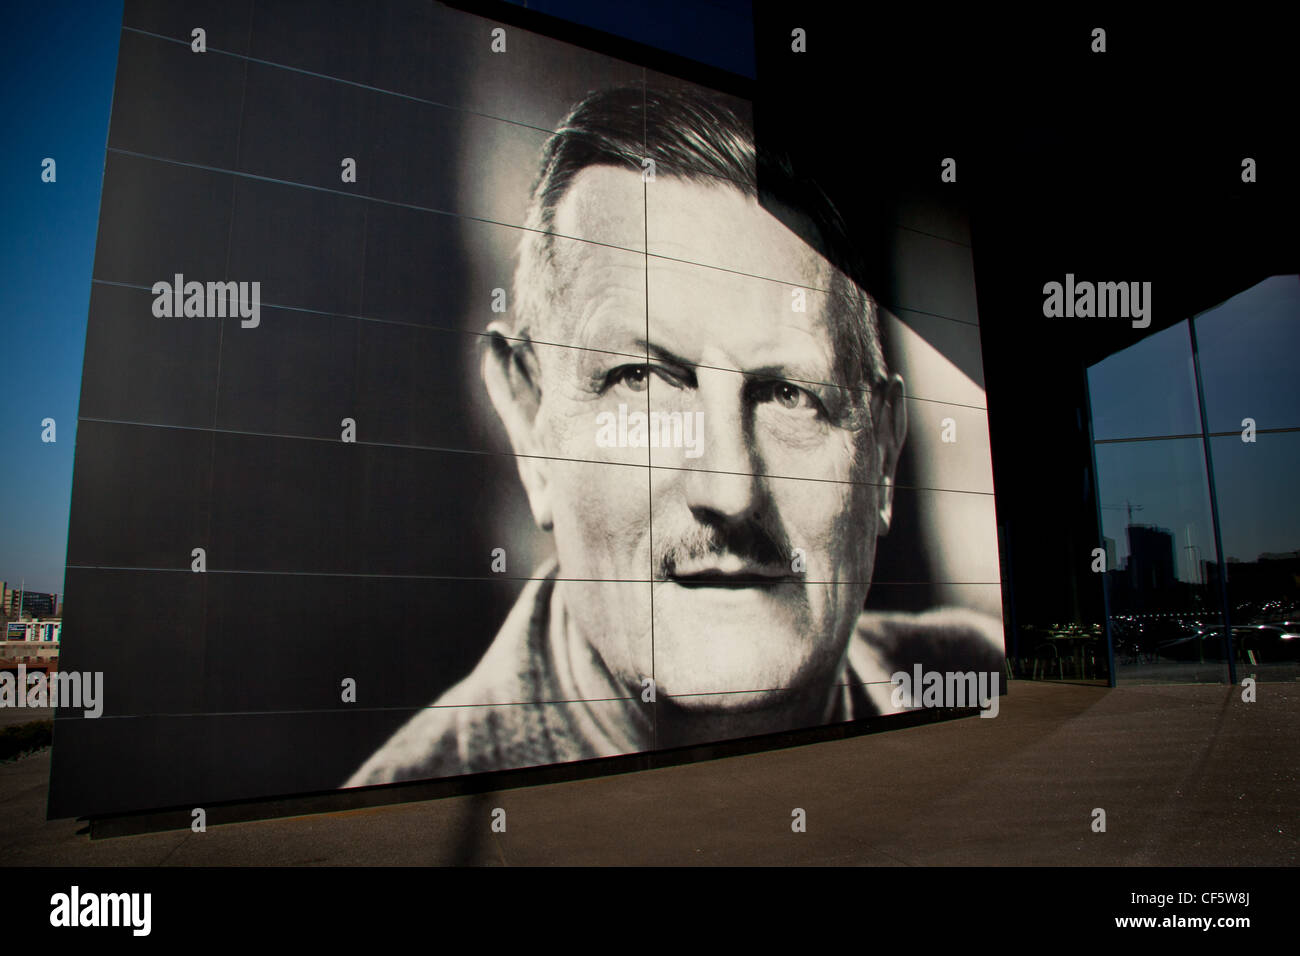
[1127,504]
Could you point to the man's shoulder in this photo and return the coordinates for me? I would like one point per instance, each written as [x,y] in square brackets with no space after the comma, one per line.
[426,746]
[945,638]
[487,721]
[455,736]
[948,639]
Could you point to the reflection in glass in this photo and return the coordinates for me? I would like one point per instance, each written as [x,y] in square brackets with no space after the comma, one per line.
[1147,390]
[1260,522]
[1165,584]
[1248,348]
[1166,618]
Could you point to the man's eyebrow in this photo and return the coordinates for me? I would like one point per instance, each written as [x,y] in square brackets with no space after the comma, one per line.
[661,353]
[796,374]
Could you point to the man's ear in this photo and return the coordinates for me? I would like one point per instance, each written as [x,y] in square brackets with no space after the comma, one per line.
[512,377]
[890,423]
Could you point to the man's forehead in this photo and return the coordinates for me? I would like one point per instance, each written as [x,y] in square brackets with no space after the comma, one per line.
[711,223]
[604,204]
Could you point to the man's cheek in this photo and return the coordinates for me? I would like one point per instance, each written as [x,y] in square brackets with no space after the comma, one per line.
[857,453]
[609,503]
[563,434]
[843,457]
[850,550]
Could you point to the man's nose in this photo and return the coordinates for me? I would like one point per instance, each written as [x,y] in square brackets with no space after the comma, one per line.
[723,479]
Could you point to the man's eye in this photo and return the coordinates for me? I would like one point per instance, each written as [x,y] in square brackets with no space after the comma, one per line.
[635,377]
[788,396]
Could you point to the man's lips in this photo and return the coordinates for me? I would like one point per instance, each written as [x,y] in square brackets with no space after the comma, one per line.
[748,576]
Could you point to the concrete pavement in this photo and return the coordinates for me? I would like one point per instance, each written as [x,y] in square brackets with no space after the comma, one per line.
[1186,774]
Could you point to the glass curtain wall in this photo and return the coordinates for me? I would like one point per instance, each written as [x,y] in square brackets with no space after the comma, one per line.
[1196,479]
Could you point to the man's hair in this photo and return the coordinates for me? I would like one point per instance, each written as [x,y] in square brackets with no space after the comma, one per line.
[693,136]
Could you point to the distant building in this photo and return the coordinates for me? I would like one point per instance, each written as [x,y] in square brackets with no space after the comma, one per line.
[39,603]
[19,602]
[1274,577]
[1150,558]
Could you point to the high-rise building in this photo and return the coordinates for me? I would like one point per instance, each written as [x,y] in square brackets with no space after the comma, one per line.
[19,602]
[1150,557]
[39,603]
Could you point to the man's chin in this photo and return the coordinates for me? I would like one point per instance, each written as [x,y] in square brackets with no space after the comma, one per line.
[687,719]
[695,701]
[730,651]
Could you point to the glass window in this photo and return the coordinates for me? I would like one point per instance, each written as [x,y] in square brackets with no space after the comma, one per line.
[1249,348]
[1147,390]
[1166,601]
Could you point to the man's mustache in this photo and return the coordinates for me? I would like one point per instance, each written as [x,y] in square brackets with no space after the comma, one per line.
[751,541]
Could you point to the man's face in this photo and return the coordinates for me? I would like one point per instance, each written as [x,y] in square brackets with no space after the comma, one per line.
[753,580]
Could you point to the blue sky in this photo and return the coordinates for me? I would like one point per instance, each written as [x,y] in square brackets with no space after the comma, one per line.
[59,61]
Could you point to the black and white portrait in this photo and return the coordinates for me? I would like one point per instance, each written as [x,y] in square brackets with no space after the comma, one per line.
[714,455]
[568,426]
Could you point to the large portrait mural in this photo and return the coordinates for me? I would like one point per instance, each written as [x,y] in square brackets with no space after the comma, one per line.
[457,399]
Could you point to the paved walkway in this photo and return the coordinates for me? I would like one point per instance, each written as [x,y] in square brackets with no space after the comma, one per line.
[1187,775]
